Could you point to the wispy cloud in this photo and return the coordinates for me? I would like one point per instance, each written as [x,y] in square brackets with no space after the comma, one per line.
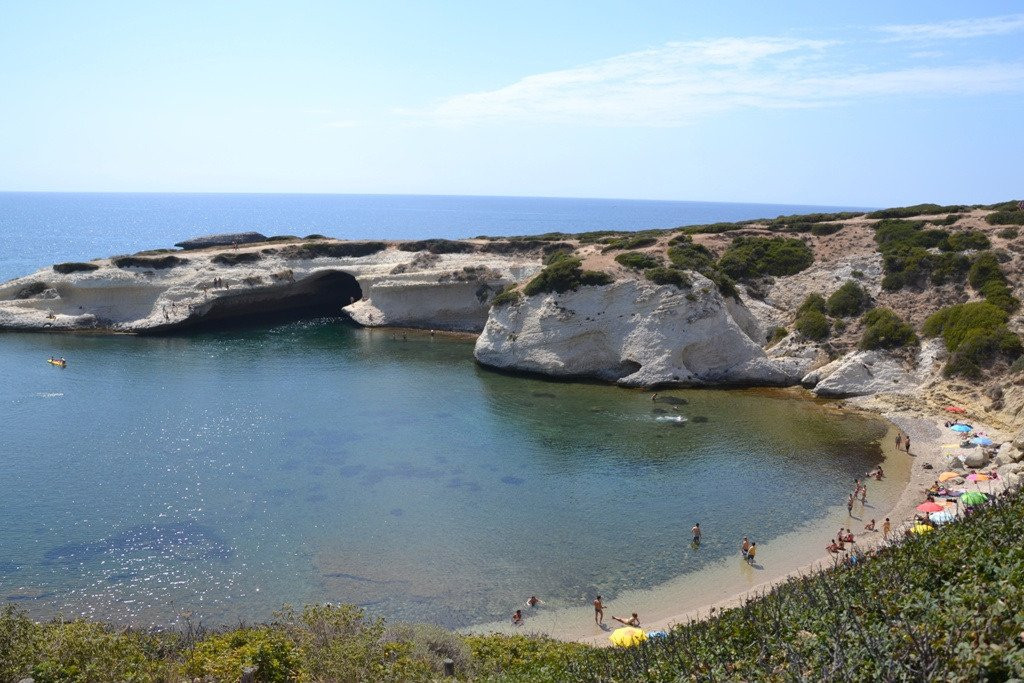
[960,28]
[679,83]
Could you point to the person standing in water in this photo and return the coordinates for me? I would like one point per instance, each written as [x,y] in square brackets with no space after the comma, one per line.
[696,533]
[745,548]
[598,611]
[752,553]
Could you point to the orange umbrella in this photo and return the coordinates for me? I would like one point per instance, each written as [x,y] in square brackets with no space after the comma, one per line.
[929,506]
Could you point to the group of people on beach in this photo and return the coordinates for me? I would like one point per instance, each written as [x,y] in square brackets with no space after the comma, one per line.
[903,440]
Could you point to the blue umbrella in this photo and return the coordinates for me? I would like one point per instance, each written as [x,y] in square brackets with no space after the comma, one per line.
[961,428]
[982,441]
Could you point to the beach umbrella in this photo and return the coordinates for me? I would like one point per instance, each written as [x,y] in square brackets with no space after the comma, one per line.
[946,476]
[973,498]
[961,428]
[977,476]
[942,517]
[982,441]
[920,528]
[929,506]
[627,636]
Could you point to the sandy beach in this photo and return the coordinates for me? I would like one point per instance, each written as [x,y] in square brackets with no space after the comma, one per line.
[731,581]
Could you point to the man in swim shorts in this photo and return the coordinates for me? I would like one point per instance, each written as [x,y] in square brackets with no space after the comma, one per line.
[598,611]
[696,533]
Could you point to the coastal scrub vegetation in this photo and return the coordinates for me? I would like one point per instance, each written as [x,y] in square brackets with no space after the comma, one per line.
[565,274]
[312,250]
[883,329]
[907,261]
[987,278]
[439,246]
[940,606]
[976,336]
[751,257]
[74,267]
[637,240]
[810,318]
[660,275]
[155,262]
[917,210]
[1010,233]
[638,260]
[1005,218]
[235,258]
[508,295]
[848,301]
[686,254]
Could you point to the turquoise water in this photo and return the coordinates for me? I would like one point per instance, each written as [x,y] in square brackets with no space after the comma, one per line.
[227,473]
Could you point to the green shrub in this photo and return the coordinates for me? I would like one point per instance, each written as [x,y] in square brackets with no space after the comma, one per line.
[966,240]
[222,657]
[565,275]
[155,262]
[72,267]
[556,256]
[637,260]
[1009,233]
[684,253]
[883,329]
[812,324]
[916,210]
[315,236]
[849,300]
[235,258]
[637,241]
[948,220]
[667,276]
[986,276]
[439,246]
[776,334]
[536,657]
[812,302]
[949,267]
[750,257]
[1005,218]
[713,228]
[314,250]
[508,295]
[282,238]
[976,336]
[822,229]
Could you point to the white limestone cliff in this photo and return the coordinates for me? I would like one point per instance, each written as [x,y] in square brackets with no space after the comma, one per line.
[634,333]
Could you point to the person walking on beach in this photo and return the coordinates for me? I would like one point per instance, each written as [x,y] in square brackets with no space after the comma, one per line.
[906,443]
[886,528]
[864,494]
[598,611]
[696,533]
[899,439]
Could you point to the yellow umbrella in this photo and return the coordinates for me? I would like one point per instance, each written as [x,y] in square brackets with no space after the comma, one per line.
[920,529]
[627,636]
[946,476]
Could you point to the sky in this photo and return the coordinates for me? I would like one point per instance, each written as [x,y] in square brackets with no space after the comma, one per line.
[856,104]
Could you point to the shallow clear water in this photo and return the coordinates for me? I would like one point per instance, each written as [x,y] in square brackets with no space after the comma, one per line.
[228,473]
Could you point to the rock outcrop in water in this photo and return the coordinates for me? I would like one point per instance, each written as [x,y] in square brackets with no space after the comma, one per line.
[635,333]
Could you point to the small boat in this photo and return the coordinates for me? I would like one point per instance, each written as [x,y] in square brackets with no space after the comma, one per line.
[59,362]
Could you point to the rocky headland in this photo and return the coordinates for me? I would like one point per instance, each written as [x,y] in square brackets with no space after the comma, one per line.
[914,304]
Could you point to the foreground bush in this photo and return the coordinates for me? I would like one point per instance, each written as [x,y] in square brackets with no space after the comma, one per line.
[883,329]
[751,257]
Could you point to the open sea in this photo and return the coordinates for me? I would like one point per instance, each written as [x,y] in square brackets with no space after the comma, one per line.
[225,473]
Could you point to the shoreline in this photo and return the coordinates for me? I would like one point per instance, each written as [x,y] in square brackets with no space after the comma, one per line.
[923,426]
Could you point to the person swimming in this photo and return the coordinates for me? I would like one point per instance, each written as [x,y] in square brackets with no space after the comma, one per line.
[517,618]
